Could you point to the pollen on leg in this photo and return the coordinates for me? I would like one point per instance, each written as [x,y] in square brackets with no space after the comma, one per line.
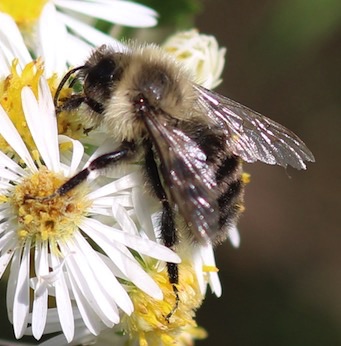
[41,215]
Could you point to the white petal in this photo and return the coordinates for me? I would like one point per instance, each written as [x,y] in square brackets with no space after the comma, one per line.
[213,278]
[90,318]
[126,182]
[9,178]
[5,161]
[76,50]
[12,137]
[50,122]
[135,274]
[122,258]
[109,282]
[52,33]
[7,238]
[90,287]
[123,264]
[11,36]
[22,294]
[63,302]
[119,12]
[198,268]
[77,154]
[143,246]
[82,337]
[6,58]
[39,310]
[39,123]
[12,282]
[103,205]
[53,323]
[89,34]
[215,284]
[142,207]
[6,255]
[91,294]
[123,219]
[234,236]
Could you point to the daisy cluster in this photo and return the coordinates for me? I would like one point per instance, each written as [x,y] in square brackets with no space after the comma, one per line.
[89,264]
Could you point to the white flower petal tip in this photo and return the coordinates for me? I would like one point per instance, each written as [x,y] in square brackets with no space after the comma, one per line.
[167,255]
[118,12]
[234,236]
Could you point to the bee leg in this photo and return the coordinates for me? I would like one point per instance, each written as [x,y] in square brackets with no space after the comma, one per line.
[75,101]
[168,229]
[168,233]
[101,162]
[70,104]
[173,274]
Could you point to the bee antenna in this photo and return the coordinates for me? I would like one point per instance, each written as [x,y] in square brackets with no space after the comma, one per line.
[63,81]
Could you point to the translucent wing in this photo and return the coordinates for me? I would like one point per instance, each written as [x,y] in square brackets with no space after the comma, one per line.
[252,136]
[190,180]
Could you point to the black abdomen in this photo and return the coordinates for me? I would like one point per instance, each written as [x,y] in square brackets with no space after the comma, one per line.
[229,178]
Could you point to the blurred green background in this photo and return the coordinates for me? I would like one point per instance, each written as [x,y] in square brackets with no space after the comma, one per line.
[283,285]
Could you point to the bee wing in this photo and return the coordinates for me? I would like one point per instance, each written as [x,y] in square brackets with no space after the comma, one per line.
[253,136]
[190,180]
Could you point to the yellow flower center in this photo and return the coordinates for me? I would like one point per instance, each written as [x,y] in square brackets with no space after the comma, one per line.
[148,323]
[10,100]
[24,12]
[52,218]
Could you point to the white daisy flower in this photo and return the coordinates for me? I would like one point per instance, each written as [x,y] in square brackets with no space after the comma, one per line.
[66,246]
[147,325]
[61,31]
[201,55]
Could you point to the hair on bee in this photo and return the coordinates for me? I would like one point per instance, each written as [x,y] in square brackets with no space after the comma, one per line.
[192,140]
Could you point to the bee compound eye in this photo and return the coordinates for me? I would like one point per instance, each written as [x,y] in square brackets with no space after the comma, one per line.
[104,73]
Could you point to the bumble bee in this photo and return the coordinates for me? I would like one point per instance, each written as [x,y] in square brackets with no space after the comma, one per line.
[192,140]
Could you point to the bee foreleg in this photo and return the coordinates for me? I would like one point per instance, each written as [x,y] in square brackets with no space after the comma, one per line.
[70,104]
[75,101]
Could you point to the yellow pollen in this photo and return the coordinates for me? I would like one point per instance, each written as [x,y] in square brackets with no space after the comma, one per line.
[70,123]
[210,269]
[148,323]
[54,218]
[241,208]
[246,178]
[24,12]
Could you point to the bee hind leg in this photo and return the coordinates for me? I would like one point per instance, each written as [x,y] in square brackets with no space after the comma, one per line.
[168,233]
[168,229]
